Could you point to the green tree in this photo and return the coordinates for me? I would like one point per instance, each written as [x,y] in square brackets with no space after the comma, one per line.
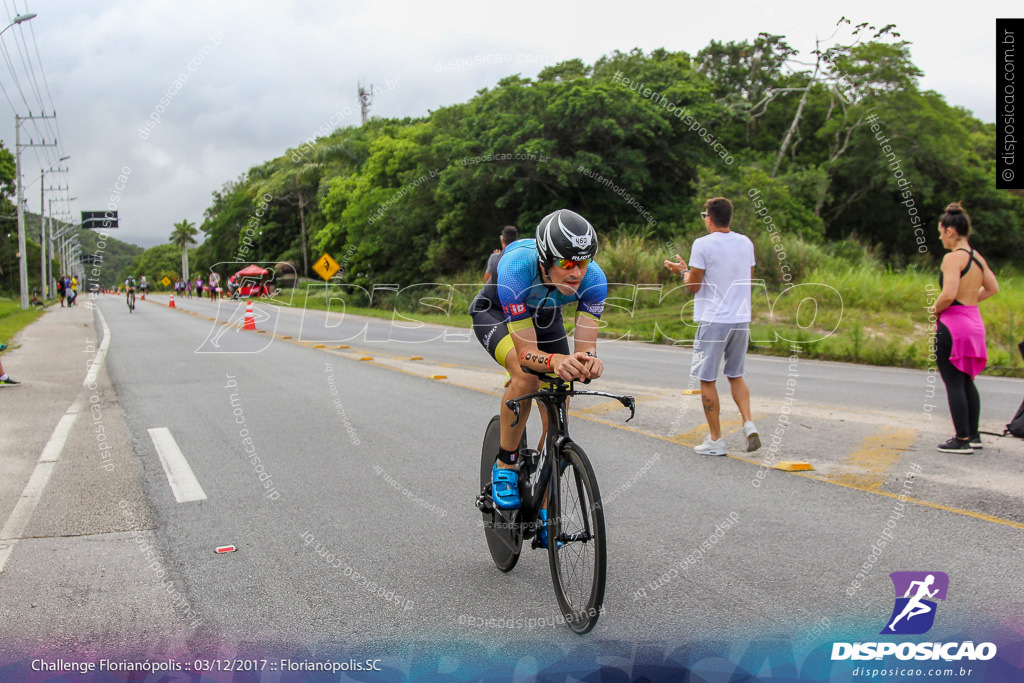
[284,181]
[748,76]
[8,225]
[230,215]
[851,75]
[915,156]
[156,262]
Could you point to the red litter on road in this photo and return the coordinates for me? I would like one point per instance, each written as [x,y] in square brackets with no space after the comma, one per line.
[225,549]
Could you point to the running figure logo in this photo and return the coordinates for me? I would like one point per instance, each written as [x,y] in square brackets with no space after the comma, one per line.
[916,592]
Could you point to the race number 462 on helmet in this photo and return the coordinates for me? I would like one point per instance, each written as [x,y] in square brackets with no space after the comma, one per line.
[565,234]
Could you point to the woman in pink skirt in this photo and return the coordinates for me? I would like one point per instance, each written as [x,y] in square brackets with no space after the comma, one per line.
[960,349]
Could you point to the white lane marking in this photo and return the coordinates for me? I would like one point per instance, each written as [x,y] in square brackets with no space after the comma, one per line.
[15,525]
[180,476]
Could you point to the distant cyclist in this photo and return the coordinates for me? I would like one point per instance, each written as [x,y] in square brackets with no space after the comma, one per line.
[129,288]
[518,318]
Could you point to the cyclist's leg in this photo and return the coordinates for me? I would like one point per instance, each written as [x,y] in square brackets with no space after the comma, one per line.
[551,338]
[520,385]
[493,334]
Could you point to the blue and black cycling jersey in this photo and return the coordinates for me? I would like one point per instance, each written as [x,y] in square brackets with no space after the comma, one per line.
[519,299]
[520,292]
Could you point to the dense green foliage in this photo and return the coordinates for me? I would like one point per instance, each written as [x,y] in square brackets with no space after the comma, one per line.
[838,146]
[8,224]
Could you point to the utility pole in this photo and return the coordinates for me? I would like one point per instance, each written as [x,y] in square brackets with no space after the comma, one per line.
[22,253]
[365,100]
[43,284]
[45,248]
[44,281]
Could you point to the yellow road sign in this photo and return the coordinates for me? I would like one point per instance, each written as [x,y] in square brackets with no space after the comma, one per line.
[166,281]
[326,267]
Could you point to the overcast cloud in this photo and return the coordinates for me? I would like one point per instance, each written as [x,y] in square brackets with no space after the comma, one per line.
[235,83]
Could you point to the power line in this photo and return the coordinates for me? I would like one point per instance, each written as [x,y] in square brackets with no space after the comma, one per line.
[50,126]
[41,128]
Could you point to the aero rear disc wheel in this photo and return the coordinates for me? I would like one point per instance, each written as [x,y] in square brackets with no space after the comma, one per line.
[501,527]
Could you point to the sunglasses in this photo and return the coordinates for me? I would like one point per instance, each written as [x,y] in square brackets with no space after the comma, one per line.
[703,214]
[568,264]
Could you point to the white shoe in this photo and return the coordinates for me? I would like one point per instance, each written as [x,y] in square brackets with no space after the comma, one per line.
[753,440]
[711,447]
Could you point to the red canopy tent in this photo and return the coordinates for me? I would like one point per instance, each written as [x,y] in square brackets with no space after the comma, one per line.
[252,270]
[251,281]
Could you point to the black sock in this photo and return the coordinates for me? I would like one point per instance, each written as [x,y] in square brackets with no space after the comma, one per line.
[507,457]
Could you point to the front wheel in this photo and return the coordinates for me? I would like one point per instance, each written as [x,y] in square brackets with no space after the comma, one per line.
[576,540]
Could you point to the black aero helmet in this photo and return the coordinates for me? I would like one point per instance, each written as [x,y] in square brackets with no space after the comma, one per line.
[565,234]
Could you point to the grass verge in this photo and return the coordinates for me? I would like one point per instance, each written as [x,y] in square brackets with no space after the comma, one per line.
[13,319]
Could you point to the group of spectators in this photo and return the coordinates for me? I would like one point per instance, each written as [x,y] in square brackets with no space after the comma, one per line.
[186,288]
[67,290]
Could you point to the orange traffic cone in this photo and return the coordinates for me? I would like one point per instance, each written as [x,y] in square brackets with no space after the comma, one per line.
[171,305]
[250,320]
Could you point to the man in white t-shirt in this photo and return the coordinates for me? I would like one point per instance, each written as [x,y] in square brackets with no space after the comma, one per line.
[720,272]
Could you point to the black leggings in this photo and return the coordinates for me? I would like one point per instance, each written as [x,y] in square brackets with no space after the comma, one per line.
[964,402]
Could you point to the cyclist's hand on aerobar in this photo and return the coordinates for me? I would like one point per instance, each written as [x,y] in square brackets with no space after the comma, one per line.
[577,366]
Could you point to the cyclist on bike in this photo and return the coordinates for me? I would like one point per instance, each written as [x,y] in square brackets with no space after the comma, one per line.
[518,318]
[129,288]
[143,286]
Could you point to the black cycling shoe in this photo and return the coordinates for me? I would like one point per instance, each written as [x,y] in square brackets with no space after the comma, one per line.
[955,445]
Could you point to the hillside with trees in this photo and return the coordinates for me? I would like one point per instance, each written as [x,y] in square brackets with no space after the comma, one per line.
[841,146]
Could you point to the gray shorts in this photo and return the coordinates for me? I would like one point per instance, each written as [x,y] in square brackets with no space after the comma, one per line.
[715,341]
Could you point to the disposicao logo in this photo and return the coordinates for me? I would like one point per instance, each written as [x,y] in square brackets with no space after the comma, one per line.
[913,614]
[916,593]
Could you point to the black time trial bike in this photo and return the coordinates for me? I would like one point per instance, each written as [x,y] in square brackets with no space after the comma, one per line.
[560,479]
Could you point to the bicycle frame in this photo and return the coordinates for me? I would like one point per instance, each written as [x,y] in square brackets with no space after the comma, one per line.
[554,400]
[560,468]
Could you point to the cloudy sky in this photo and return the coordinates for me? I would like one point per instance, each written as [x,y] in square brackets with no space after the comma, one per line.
[227,84]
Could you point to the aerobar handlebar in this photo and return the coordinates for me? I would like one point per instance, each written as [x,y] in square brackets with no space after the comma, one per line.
[561,387]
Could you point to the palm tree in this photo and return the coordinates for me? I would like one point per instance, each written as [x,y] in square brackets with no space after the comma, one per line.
[184,235]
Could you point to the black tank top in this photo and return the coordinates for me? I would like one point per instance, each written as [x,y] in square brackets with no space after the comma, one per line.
[964,271]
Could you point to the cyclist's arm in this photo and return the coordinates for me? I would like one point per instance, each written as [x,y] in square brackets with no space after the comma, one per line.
[524,337]
[584,338]
[592,296]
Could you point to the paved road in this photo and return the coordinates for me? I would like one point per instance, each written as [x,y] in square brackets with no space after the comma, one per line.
[347,488]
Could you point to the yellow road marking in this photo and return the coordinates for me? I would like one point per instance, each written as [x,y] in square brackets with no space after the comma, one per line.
[793,466]
[875,458]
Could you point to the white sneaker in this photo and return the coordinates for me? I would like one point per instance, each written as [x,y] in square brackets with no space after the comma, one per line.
[753,440]
[711,447]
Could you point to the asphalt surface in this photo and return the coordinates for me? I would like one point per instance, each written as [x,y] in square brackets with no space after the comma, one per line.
[368,469]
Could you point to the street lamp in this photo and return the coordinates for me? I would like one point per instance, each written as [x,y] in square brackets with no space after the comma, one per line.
[64,237]
[19,18]
[22,263]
